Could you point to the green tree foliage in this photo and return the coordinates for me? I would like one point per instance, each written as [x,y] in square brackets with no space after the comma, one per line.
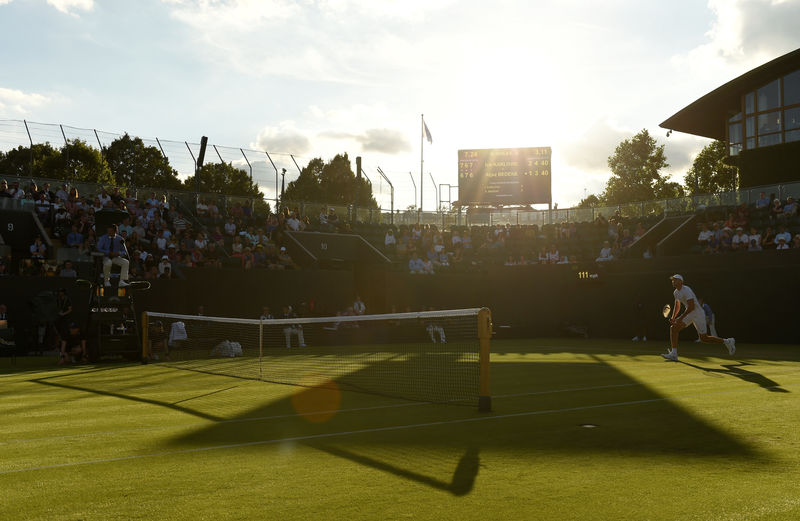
[709,173]
[222,178]
[80,162]
[18,161]
[75,161]
[134,164]
[330,183]
[636,172]
[590,201]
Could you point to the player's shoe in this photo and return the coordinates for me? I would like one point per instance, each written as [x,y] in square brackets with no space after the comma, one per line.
[670,355]
[635,339]
[730,343]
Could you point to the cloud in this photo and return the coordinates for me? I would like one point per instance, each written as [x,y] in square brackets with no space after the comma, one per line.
[590,151]
[745,34]
[282,139]
[67,6]
[681,149]
[381,140]
[18,102]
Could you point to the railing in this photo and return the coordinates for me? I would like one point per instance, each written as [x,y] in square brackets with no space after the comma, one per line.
[266,170]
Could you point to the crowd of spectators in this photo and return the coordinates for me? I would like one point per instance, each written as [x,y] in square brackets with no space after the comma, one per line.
[426,249]
[162,237]
[769,224]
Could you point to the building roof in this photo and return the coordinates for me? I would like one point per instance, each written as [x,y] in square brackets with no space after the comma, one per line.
[708,115]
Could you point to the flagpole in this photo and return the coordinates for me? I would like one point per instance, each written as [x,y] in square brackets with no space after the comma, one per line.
[421,163]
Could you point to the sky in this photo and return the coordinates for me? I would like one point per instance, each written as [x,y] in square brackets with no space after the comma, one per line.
[317,78]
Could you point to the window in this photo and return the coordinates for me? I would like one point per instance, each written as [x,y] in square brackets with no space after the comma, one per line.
[769,96]
[769,139]
[769,122]
[791,118]
[791,89]
[793,135]
[750,102]
[750,143]
[736,117]
[735,133]
[750,126]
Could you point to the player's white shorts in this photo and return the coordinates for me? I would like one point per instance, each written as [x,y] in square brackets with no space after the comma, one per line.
[698,318]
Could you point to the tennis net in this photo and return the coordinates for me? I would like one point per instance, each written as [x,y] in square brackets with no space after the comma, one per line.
[434,356]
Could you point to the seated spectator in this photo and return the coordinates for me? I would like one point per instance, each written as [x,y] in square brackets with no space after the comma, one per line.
[201,208]
[740,241]
[725,242]
[74,238]
[333,219]
[783,234]
[782,243]
[415,265]
[38,249]
[164,265]
[552,255]
[43,208]
[62,194]
[789,209]
[390,241]
[61,221]
[796,241]
[4,193]
[713,244]
[768,239]
[776,211]
[763,201]
[212,256]
[605,253]
[68,270]
[626,240]
[754,245]
[230,227]
[284,260]
[703,237]
[237,248]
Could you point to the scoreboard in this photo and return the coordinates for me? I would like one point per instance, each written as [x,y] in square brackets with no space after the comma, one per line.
[504,176]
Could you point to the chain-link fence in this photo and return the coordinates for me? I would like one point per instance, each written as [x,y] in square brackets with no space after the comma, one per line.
[274,171]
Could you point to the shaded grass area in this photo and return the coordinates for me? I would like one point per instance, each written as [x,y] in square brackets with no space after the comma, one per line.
[579,430]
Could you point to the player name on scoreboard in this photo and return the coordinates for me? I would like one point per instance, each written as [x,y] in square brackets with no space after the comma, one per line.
[504,176]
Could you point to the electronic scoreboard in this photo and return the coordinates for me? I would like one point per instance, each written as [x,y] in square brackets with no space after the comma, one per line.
[504,176]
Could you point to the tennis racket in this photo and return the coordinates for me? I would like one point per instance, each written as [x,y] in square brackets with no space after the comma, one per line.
[666,310]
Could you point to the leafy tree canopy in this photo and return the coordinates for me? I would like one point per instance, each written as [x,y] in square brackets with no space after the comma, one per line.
[330,183]
[636,172]
[709,173]
[133,163]
[222,178]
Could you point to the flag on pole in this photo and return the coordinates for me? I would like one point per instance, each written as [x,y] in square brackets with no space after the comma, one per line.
[427,132]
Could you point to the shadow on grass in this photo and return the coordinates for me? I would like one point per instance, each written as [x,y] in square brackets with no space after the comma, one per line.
[737,371]
[408,440]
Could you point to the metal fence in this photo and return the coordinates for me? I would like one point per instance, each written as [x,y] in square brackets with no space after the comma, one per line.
[270,170]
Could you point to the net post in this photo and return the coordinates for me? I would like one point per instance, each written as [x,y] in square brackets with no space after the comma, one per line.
[145,336]
[485,337]
[260,348]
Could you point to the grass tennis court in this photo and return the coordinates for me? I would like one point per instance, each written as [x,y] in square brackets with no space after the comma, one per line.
[580,429]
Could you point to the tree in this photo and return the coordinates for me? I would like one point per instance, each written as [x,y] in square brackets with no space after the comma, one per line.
[17,161]
[590,201]
[330,183]
[134,164]
[709,173]
[635,171]
[80,162]
[223,178]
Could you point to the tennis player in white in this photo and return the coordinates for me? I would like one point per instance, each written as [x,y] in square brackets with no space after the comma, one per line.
[694,314]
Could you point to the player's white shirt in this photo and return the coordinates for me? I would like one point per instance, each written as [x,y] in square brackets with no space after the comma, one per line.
[685,294]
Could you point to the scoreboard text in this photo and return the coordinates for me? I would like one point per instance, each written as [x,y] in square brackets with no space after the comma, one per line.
[504,176]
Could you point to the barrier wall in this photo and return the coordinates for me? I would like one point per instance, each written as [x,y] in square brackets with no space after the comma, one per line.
[754,295]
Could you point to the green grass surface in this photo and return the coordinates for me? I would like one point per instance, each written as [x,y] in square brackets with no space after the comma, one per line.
[710,438]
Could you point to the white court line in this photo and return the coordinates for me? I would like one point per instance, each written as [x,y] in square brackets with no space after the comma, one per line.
[371,430]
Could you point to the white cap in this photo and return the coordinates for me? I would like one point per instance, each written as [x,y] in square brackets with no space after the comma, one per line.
[676,276]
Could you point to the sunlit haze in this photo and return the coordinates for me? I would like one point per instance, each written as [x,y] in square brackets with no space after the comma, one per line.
[318,78]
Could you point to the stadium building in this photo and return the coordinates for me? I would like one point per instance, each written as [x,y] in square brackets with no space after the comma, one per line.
[758,115]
